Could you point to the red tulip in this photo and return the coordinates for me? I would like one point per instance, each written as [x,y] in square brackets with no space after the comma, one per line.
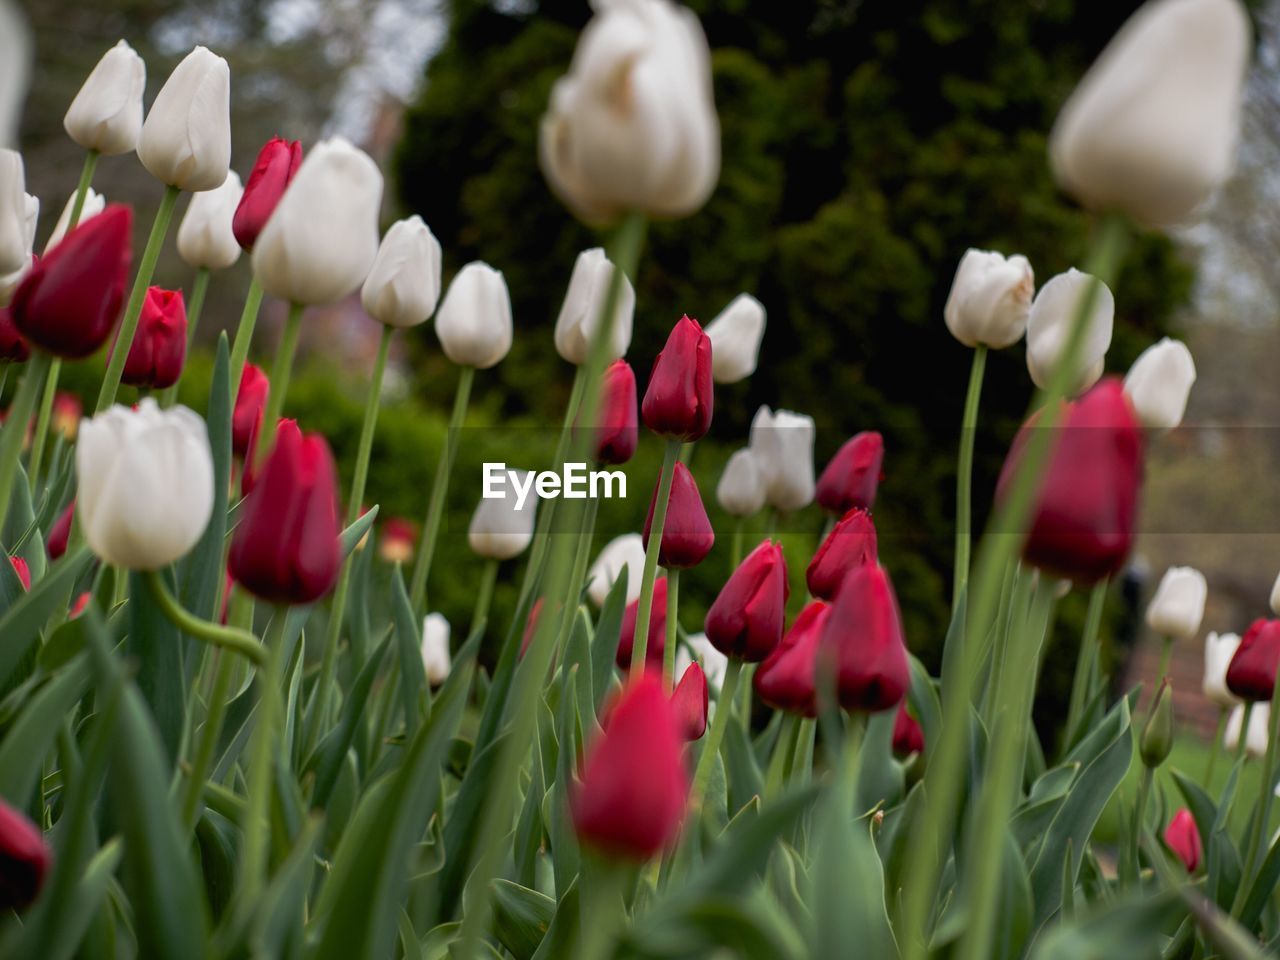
[285,547]
[24,859]
[786,677]
[853,475]
[863,639]
[618,433]
[277,162]
[687,536]
[82,603]
[251,401]
[160,345]
[850,544]
[22,570]
[12,346]
[908,735]
[747,617]
[1082,526]
[531,626]
[657,629]
[1251,675]
[398,538]
[70,300]
[689,701]
[677,402]
[67,411]
[60,532]
[1182,836]
[633,791]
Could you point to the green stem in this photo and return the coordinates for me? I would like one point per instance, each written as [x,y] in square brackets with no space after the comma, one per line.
[1242,743]
[1261,823]
[707,759]
[1087,657]
[783,755]
[736,545]
[129,326]
[281,370]
[202,762]
[195,307]
[1166,650]
[231,638]
[39,439]
[1129,863]
[640,645]
[673,620]
[602,913]
[14,431]
[1215,748]
[964,472]
[82,190]
[253,863]
[484,595]
[244,334]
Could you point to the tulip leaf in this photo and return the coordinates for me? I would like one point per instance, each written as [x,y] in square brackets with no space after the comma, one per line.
[28,741]
[923,699]
[1131,928]
[564,843]
[604,645]
[521,917]
[742,772]
[562,936]
[751,928]
[413,677]
[154,644]
[880,779]
[328,756]
[23,620]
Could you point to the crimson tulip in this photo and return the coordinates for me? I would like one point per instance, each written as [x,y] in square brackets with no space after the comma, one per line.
[687,536]
[850,544]
[689,701]
[251,401]
[619,432]
[24,859]
[22,570]
[657,629]
[852,477]
[863,639]
[1251,675]
[277,162]
[12,345]
[747,618]
[786,677]
[1182,836]
[908,735]
[160,345]
[60,532]
[677,403]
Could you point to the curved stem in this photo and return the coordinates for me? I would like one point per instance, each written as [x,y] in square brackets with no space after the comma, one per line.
[281,371]
[244,334]
[195,307]
[231,638]
[707,759]
[208,744]
[14,431]
[640,644]
[964,472]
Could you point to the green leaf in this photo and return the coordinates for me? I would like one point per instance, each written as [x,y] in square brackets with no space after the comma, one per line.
[562,936]
[204,570]
[604,645]
[413,677]
[154,644]
[848,882]
[328,757]
[29,740]
[564,841]
[879,776]
[521,917]
[1264,884]
[22,622]
[1133,928]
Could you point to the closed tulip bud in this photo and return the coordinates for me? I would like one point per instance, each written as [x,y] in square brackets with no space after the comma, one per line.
[435,648]
[656,644]
[1151,130]
[1157,735]
[678,401]
[687,536]
[21,571]
[24,859]
[13,347]
[251,402]
[583,302]
[186,138]
[106,114]
[851,544]
[689,701]
[740,491]
[631,797]
[160,345]
[1159,383]
[908,735]
[1219,649]
[404,284]
[864,643]
[499,529]
[622,553]
[1251,674]
[69,303]
[1178,606]
[1053,312]
[9,281]
[1182,836]
[1258,734]
[619,429]
[60,532]
[146,484]
[747,617]
[852,478]
[735,336]
[632,126]
[94,204]
[786,679]
[398,539]
[273,170]
[714,663]
[14,249]
[783,445]
[474,322]
[990,299]
[205,240]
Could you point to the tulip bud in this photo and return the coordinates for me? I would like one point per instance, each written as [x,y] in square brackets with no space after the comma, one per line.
[1251,674]
[583,302]
[852,478]
[403,285]
[205,240]
[474,322]
[285,548]
[653,650]
[1218,651]
[1053,313]
[160,345]
[69,303]
[435,648]
[9,281]
[499,529]
[735,336]
[687,536]
[863,639]
[21,571]
[1151,129]
[1258,734]
[60,532]
[740,491]
[747,617]
[622,553]
[689,702]
[908,735]
[94,204]
[1178,606]
[24,859]
[851,544]
[277,163]
[398,539]
[714,663]
[786,679]
[619,429]
[678,401]
[14,249]
[783,445]
[1159,382]
[186,138]
[67,411]
[251,402]
[632,794]
[990,299]
[146,484]
[106,114]
[632,126]
[13,348]
[1182,836]
[1157,735]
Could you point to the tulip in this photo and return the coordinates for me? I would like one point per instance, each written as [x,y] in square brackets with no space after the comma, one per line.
[1219,649]
[398,537]
[1251,675]
[499,529]
[285,548]
[13,347]
[690,701]
[908,735]
[146,484]
[1157,735]
[735,336]
[16,49]
[1258,735]
[783,445]
[21,571]
[583,304]
[1159,383]
[678,401]
[631,798]
[1082,526]
[1182,836]
[82,604]
[67,411]
[850,545]
[318,245]
[69,303]
[60,532]
[435,648]
[94,204]
[786,678]
[863,637]
[633,125]
[619,431]
[1151,129]
[9,282]
[990,299]
[205,240]
[186,138]
[687,536]
[106,115]
[656,645]
[474,322]
[403,285]
[622,553]
[1178,606]
[531,626]
[740,491]
[747,617]
[713,662]
[160,345]
[1275,597]
[24,859]
[1053,313]
[277,163]
[852,477]
[15,251]
[251,402]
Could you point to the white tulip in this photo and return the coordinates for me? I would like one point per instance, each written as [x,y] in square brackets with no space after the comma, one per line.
[322,238]
[1159,383]
[1178,606]
[740,491]
[94,204]
[583,302]
[735,336]
[186,138]
[713,662]
[499,530]
[474,322]
[1218,651]
[146,484]
[990,299]
[435,648]
[1275,597]
[403,286]
[15,65]
[1151,130]
[205,238]
[621,553]
[1255,742]
[782,443]
[632,126]
[106,114]
[1049,325]
[13,212]
[9,281]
